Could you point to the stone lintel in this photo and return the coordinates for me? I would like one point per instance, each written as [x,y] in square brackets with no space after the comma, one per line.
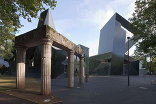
[62,42]
[35,37]
[32,36]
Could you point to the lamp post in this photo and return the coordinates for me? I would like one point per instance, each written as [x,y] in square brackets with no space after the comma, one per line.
[128,62]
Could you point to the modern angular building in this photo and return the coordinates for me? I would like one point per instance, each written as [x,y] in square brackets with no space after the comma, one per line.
[113,46]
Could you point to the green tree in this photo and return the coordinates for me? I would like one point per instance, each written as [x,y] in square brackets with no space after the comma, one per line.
[154,65]
[142,56]
[7,47]
[10,13]
[144,18]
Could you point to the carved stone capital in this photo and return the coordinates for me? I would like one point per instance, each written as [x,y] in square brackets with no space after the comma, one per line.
[47,41]
[72,52]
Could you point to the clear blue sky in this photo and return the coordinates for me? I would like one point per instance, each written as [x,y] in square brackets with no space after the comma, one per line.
[81,20]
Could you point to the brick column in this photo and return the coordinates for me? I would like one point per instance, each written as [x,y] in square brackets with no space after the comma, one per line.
[71,69]
[82,70]
[46,67]
[20,67]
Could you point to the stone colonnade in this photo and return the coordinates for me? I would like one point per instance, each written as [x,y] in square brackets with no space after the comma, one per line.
[46,67]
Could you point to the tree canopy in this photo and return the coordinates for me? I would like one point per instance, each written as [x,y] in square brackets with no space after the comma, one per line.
[144,18]
[10,13]
[12,10]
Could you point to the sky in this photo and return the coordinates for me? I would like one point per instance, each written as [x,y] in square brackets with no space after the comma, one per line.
[81,20]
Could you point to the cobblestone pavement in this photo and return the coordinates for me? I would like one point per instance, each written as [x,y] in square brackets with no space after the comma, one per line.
[108,90]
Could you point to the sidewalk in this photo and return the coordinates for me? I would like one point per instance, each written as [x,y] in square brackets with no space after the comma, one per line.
[8,99]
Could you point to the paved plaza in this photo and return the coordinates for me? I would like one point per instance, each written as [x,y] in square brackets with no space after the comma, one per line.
[108,90]
[100,90]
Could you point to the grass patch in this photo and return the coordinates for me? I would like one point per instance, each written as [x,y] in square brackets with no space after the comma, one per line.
[7,83]
[7,77]
[30,93]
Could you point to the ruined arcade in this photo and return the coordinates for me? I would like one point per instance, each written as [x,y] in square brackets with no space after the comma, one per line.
[46,37]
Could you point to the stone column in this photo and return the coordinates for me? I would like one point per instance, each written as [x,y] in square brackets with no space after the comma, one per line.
[46,67]
[20,67]
[71,69]
[82,70]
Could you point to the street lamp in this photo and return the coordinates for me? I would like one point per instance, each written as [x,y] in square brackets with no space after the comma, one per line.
[128,62]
